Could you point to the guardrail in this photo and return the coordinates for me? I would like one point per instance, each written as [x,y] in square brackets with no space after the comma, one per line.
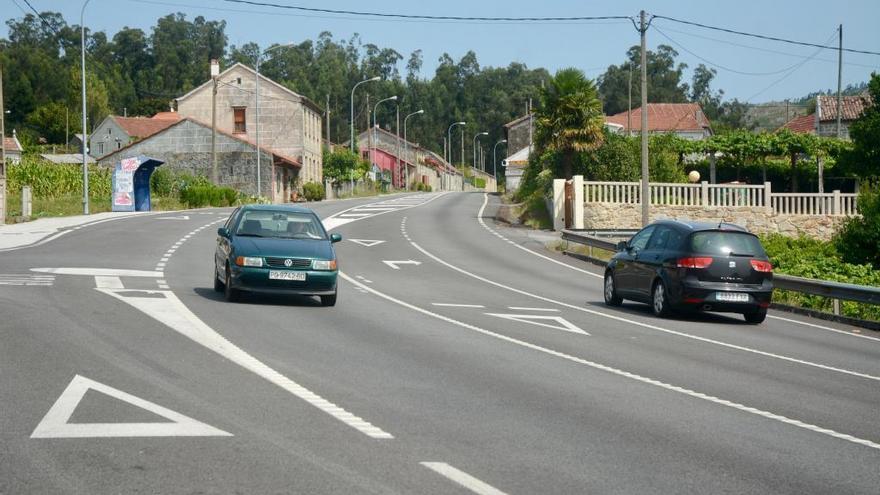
[826,288]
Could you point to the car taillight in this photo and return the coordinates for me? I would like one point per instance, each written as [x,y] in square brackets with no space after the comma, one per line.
[762,266]
[695,262]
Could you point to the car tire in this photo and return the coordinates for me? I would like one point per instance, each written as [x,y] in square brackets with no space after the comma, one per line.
[219,286]
[328,300]
[756,317]
[610,290]
[229,293]
[660,300]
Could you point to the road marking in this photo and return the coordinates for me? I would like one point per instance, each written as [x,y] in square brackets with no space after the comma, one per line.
[27,279]
[454,305]
[103,282]
[822,327]
[55,424]
[394,264]
[170,311]
[462,478]
[334,220]
[645,325]
[99,272]
[366,242]
[181,217]
[541,320]
[622,373]
[520,308]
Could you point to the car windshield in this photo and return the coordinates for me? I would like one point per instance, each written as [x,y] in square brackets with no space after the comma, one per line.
[280,224]
[726,244]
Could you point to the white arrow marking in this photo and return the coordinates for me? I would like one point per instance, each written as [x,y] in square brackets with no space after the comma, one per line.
[366,242]
[55,423]
[393,264]
[561,323]
[181,217]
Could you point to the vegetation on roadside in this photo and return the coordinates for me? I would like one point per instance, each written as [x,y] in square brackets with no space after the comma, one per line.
[313,191]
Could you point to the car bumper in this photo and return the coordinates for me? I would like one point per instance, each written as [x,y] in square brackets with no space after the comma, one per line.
[252,279]
[711,296]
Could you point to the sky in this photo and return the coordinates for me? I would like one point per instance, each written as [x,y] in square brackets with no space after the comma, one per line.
[773,70]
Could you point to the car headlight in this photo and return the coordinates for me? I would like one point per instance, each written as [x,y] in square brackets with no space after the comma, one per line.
[324,264]
[248,261]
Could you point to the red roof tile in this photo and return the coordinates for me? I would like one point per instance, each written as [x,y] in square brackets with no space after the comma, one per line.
[141,127]
[166,115]
[666,117]
[802,124]
[11,144]
[851,107]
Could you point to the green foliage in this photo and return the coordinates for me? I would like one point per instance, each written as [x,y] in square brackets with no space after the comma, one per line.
[49,180]
[664,80]
[313,191]
[343,164]
[201,195]
[859,238]
[863,160]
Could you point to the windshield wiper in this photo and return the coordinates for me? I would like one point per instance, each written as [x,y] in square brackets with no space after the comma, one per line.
[248,235]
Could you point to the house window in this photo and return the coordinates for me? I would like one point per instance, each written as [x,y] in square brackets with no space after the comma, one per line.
[238,125]
[101,148]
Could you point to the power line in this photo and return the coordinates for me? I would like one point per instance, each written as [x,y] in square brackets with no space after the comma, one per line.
[761,36]
[799,65]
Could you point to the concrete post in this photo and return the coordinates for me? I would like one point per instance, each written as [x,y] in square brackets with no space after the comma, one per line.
[837,210]
[704,193]
[558,204]
[768,197]
[578,184]
[328,189]
[26,202]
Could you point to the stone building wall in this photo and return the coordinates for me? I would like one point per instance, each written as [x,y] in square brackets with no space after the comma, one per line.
[755,219]
[518,135]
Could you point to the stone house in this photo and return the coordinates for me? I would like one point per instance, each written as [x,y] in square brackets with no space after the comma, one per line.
[686,120]
[519,134]
[114,131]
[290,124]
[420,164]
[851,108]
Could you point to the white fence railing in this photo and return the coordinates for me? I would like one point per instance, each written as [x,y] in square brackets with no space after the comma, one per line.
[724,195]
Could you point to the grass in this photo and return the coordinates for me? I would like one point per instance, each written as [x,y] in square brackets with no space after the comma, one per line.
[70,205]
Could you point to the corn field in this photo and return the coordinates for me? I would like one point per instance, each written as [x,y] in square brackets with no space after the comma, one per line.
[49,180]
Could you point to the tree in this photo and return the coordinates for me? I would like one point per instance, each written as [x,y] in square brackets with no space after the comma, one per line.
[664,80]
[863,160]
[570,119]
[343,164]
[51,120]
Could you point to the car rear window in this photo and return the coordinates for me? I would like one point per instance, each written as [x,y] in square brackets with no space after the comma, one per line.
[724,243]
[280,224]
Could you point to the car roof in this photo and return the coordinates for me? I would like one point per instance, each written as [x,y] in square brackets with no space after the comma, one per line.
[693,226]
[284,208]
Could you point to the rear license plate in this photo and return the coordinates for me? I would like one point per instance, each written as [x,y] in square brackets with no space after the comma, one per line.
[283,275]
[732,297]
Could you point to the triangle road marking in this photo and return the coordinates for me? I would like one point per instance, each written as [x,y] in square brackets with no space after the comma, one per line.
[366,242]
[543,321]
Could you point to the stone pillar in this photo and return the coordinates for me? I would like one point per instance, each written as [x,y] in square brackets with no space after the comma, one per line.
[836,207]
[768,198]
[26,202]
[578,198]
[558,212]
[704,193]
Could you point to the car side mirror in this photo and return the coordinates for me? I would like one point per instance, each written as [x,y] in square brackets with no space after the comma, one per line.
[621,246]
[335,237]
[223,232]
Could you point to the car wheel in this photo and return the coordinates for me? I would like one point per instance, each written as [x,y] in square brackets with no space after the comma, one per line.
[756,317]
[229,293]
[611,297]
[219,286]
[328,300]
[660,300]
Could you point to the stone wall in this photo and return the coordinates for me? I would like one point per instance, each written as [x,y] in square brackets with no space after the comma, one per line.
[518,135]
[755,219]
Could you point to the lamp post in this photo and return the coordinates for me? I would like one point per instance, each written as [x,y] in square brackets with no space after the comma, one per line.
[257,106]
[351,143]
[373,130]
[406,147]
[474,163]
[85,141]
[494,156]
[449,140]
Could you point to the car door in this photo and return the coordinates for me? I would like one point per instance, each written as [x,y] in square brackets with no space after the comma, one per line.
[221,253]
[649,260]
[626,270]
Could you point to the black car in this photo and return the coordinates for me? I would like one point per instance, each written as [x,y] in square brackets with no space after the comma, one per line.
[674,265]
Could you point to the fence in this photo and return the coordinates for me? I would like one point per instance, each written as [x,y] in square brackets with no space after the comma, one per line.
[721,195]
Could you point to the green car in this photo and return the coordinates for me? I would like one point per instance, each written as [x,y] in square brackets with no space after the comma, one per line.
[277,250]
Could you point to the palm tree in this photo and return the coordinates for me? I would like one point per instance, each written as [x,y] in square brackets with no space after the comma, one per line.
[570,119]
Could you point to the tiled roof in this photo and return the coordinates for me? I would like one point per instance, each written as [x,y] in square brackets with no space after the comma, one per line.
[66,158]
[11,144]
[666,117]
[141,127]
[851,107]
[802,124]
[166,115]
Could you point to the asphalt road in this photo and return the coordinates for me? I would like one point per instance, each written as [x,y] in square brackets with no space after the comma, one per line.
[475,361]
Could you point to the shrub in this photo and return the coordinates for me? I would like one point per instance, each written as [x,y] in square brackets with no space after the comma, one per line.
[479,182]
[313,191]
[859,238]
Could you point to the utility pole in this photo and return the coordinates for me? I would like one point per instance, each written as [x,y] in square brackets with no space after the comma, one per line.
[839,75]
[215,71]
[629,102]
[462,147]
[327,112]
[397,133]
[645,195]
[2,154]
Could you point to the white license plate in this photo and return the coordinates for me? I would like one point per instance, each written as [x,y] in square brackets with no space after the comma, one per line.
[732,297]
[284,275]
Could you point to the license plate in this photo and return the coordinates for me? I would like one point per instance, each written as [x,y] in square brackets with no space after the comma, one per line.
[732,297]
[284,275]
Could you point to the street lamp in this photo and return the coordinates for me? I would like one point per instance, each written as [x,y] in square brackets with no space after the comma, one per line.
[449,140]
[257,121]
[85,141]
[352,106]
[406,148]
[494,158]
[474,163]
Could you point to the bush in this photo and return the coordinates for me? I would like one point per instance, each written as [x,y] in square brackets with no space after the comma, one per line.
[313,191]
[479,182]
[859,238]
[201,195]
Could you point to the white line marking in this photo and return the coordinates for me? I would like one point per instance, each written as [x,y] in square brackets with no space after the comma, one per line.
[171,311]
[821,327]
[619,372]
[520,308]
[394,264]
[644,325]
[99,272]
[55,424]
[462,478]
[366,242]
[453,305]
[109,283]
[562,323]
